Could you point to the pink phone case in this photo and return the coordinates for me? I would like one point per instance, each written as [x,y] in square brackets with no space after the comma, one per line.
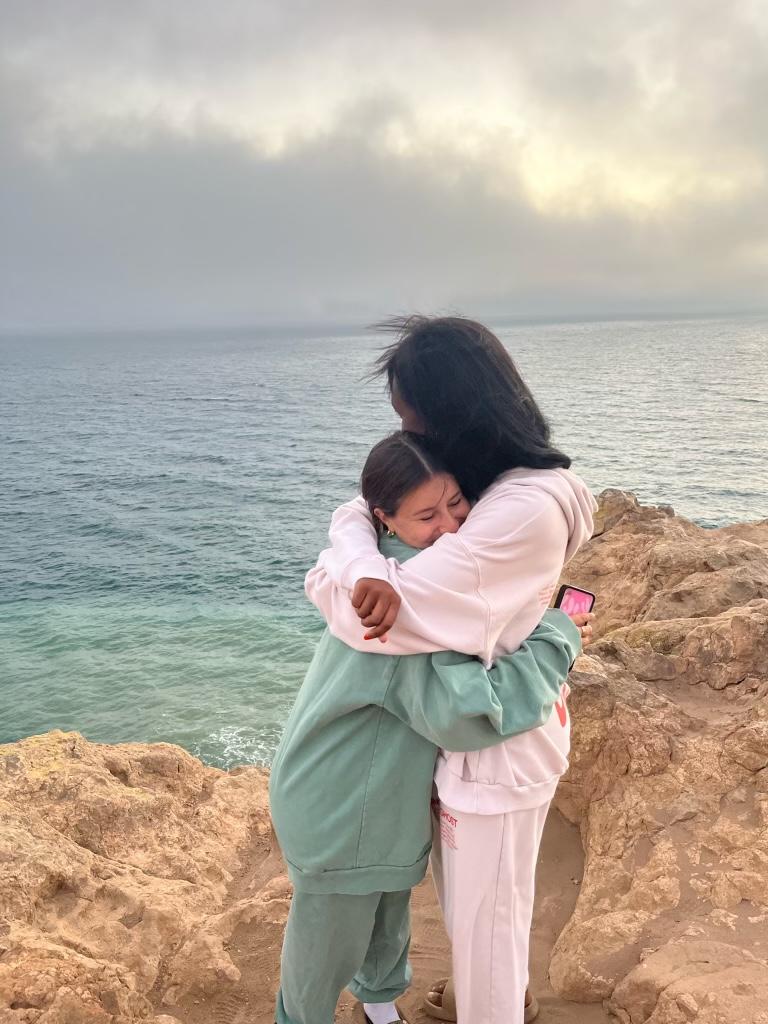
[575,601]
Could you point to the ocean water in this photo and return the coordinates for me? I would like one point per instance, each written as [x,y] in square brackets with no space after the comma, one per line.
[162,496]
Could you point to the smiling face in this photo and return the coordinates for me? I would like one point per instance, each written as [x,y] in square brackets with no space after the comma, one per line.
[435,507]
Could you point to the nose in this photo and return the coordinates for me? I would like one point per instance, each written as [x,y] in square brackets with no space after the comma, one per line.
[448,523]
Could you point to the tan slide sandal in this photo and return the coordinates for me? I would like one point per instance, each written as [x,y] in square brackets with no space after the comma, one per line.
[446,1008]
[531,1010]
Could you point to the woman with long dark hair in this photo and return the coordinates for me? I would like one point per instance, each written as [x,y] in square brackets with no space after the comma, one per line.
[480,591]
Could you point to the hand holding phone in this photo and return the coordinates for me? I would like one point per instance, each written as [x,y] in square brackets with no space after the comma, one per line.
[578,605]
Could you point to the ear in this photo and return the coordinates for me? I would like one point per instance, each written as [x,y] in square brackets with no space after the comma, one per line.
[380,516]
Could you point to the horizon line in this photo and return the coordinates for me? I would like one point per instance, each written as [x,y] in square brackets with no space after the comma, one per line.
[362,325]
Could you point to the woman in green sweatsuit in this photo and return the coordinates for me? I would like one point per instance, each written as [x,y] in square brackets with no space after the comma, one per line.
[351,781]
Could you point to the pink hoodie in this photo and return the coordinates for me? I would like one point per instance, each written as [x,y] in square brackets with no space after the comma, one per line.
[480,591]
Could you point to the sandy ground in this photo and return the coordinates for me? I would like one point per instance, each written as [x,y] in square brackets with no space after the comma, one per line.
[256,949]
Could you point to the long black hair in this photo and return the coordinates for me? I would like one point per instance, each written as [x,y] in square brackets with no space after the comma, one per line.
[465,388]
[394,467]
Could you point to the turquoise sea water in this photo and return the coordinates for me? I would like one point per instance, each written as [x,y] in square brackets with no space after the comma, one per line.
[161,497]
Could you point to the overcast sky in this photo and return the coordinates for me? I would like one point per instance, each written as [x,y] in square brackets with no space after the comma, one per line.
[173,162]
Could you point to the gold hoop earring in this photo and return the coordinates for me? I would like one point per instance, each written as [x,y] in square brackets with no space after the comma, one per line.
[391,533]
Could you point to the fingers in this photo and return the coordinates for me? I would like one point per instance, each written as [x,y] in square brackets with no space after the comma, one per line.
[376,614]
[384,626]
[584,622]
[377,604]
[364,601]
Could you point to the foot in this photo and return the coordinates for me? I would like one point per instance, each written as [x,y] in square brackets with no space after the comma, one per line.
[436,994]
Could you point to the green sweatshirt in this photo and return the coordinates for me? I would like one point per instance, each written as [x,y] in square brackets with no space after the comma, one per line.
[351,781]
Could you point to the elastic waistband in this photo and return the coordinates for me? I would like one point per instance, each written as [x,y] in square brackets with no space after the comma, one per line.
[475,797]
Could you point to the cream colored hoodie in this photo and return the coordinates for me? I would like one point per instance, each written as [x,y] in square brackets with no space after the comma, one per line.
[480,591]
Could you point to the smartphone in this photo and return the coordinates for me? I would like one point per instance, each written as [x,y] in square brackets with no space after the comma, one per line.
[573,600]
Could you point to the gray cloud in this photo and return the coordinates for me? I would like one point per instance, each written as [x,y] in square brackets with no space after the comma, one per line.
[604,157]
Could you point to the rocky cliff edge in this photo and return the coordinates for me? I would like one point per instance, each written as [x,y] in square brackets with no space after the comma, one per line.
[128,873]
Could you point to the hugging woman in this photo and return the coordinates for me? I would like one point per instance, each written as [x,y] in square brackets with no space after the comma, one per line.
[481,590]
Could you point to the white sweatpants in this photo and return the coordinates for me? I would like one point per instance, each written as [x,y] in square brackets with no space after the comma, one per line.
[484,867]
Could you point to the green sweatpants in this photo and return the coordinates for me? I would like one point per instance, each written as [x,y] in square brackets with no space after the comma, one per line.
[333,942]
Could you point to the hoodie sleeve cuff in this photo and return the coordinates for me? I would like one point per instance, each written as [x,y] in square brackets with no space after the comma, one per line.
[364,568]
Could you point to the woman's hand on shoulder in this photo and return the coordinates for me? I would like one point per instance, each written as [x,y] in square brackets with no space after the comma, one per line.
[584,621]
[377,604]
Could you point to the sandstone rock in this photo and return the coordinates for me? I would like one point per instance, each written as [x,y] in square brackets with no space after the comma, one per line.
[665,845]
[110,859]
[695,981]
[668,773]
[616,505]
[646,564]
[718,651]
[202,965]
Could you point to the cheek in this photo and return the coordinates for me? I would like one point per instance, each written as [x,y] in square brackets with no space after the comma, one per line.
[423,534]
[418,535]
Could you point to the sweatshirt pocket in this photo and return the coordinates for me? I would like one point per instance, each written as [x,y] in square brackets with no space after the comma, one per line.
[530,758]
[396,827]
